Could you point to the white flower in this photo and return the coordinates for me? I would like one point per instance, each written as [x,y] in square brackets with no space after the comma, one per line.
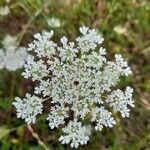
[36,70]
[122,64]
[9,41]
[4,10]
[54,22]
[120,101]
[13,58]
[57,116]
[102,118]
[28,108]
[75,134]
[78,80]
[89,39]
[42,44]
[44,88]
[120,30]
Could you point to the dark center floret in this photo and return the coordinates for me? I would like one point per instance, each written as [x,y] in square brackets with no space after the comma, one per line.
[76,83]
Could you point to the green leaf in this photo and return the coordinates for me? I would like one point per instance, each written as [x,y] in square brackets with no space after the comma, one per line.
[3,131]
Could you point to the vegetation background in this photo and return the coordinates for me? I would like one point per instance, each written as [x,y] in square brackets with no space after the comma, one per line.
[125,26]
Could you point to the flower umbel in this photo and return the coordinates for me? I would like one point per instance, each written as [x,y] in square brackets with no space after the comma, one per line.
[12,57]
[28,108]
[54,22]
[75,134]
[78,80]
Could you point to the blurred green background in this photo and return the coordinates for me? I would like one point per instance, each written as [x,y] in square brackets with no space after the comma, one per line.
[125,26]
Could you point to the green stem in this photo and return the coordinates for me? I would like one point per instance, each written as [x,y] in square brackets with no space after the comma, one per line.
[11,96]
[36,136]
[28,25]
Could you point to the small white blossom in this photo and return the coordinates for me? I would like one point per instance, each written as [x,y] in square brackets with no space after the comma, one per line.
[89,39]
[36,70]
[54,22]
[120,101]
[122,64]
[42,44]
[28,108]
[120,29]
[102,118]
[75,134]
[12,57]
[78,80]
[44,88]
[57,116]
[9,41]
[4,10]
[15,59]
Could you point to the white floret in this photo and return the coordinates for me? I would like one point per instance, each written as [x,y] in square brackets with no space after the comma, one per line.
[102,117]
[120,101]
[75,134]
[12,57]
[28,108]
[57,116]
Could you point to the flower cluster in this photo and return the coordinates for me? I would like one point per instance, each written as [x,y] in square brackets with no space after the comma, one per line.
[75,133]
[78,80]
[28,108]
[9,41]
[4,10]
[12,57]
[54,22]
